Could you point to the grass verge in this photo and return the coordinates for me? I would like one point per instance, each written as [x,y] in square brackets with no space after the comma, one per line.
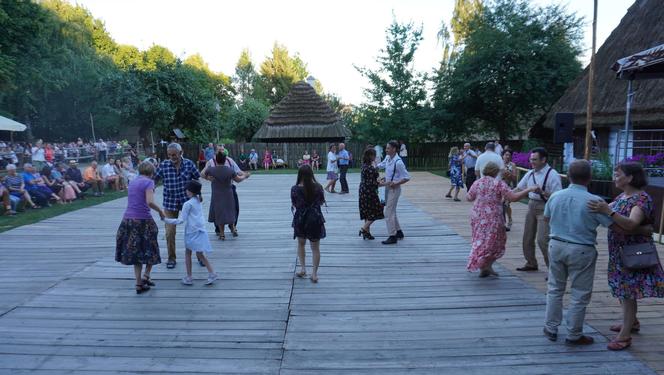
[31,216]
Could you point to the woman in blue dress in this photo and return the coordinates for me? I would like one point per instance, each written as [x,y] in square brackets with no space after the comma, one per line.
[455,174]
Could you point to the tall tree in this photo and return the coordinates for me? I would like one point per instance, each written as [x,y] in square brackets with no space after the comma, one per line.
[279,71]
[396,96]
[517,60]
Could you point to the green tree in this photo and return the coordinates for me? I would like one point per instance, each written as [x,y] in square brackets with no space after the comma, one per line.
[280,71]
[245,119]
[396,96]
[517,60]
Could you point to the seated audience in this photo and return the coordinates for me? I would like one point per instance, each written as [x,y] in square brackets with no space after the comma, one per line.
[92,177]
[14,183]
[36,186]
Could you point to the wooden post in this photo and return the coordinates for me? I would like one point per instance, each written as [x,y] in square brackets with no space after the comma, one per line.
[92,124]
[661,222]
[589,107]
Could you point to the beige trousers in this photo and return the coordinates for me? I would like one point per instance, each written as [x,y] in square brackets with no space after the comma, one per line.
[170,233]
[391,201]
[535,229]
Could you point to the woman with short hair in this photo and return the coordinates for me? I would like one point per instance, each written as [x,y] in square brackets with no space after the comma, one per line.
[486,219]
[136,240]
[332,169]
[630,210]
[456,179]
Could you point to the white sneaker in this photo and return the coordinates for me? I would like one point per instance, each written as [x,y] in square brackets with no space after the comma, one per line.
[187,280]
[211,278]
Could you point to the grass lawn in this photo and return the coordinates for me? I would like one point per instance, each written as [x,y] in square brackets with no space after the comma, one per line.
[30,216]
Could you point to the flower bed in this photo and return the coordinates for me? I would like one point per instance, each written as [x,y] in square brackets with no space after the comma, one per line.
[654,163]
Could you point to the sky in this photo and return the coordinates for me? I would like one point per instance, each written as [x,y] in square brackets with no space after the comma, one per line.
[331,36]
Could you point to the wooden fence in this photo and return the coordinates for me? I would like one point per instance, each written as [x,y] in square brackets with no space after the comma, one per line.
[420,155]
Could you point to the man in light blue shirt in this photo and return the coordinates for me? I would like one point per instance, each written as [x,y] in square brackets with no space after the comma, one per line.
[343,159]
[572,253]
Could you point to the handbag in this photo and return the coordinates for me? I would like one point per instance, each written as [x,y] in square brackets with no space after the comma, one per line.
[639,256]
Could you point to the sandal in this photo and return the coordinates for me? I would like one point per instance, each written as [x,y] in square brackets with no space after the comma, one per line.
[314,279]
[301,274]
[616,344]
[234,231]
[147,281]
[142,288]
[618,327]
[222,236]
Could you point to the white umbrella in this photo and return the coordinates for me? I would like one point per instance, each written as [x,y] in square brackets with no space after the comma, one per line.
[11,125]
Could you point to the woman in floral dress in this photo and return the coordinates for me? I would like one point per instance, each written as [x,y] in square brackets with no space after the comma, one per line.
[456,177]
[630,210]
[486,219]
[370,207]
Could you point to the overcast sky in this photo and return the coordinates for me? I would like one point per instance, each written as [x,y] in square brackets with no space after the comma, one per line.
[331,36]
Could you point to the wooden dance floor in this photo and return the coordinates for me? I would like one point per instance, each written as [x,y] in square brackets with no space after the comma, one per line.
[66,307]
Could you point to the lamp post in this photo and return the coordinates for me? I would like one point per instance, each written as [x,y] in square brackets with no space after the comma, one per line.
[591,73]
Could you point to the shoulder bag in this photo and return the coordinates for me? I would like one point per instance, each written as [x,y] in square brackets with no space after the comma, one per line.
[639,256]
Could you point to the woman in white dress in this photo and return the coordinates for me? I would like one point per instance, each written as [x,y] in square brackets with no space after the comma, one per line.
[331,169]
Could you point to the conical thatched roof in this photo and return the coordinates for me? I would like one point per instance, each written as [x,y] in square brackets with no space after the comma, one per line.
[640,29]
[302,116]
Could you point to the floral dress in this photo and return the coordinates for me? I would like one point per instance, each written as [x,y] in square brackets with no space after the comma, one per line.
[455,171]
[370,207]
[626,283]
[487,222]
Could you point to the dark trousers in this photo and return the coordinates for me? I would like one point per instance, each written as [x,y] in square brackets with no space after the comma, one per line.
[344,183]
[404,159]
[39,196]
[102,156]
[470,177]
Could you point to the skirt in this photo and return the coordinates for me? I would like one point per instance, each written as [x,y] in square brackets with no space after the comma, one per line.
[197,242]
[332,176]
[136,242]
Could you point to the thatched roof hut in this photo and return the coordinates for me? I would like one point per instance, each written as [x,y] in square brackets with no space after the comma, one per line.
[641,28]
[302,116]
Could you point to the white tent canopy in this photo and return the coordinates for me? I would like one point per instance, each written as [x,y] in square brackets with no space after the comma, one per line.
[11,125]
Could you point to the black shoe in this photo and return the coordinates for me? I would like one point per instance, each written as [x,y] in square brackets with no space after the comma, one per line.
[170,264]
[527,268]
[390,240]
[550,336]
[399,235]
[366,235]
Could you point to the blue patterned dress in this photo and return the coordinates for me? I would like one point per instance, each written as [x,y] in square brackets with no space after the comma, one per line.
[626,283]
[455,171]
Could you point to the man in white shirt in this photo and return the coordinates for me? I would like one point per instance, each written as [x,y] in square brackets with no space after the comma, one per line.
[489,156]
[253,159]
[102,148]
[536,227]
[109,176]
[395,176]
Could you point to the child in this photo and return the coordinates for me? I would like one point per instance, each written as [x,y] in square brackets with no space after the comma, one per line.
[195,235]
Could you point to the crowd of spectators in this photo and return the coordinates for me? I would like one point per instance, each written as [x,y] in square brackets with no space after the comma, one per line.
[38,175]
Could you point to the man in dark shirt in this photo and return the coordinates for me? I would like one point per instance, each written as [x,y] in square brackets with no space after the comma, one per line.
[74,174]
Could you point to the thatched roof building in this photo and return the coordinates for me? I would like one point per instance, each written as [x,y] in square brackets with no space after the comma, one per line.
[641,28]
[302,116]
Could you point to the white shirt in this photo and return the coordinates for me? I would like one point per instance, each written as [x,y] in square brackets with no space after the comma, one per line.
[253,157]
[38,154]
[403,151]
[102,146]
[395,170]
[192,214]
[331,162]
[499,149]
[533,178]
[379,152]
[107,170]
[486,158]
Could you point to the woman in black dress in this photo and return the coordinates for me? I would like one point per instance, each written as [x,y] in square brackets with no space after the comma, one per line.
[370,207]
[308,222]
